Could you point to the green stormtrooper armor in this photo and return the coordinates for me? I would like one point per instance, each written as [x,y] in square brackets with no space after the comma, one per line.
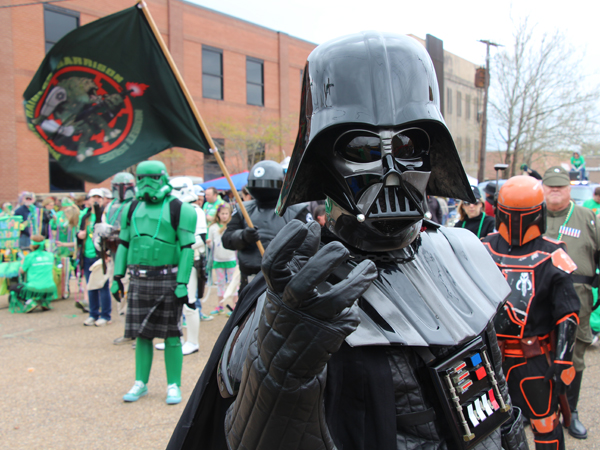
[148,236]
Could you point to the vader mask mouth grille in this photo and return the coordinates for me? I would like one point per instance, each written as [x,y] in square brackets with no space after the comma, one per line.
[392,203]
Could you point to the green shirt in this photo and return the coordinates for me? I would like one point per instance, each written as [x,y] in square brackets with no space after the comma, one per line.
[89,251]
[64,233]
[39,265]
[577,162]
[593,205]
[210,209]
[582,236]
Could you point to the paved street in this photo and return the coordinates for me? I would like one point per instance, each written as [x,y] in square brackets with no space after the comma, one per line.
[62,384]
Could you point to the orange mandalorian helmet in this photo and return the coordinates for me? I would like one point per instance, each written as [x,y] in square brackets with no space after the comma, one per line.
[521,211]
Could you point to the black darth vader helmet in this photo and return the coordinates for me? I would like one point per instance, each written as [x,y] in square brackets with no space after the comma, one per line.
[372,140]
[265,181]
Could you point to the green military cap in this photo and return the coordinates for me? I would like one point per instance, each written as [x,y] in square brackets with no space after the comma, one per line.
[556,176]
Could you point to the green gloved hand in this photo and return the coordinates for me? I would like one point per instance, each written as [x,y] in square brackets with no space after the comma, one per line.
[181,293]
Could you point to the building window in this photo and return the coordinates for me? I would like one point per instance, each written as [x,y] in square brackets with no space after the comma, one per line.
[212,169]
[212,73]
[458,103]
[256,153]
[255,88]
[57,23]
[458,142]
[468,106]
[449,101]
[468,149]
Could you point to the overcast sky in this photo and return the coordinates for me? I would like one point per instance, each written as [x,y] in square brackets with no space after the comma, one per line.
[459,23]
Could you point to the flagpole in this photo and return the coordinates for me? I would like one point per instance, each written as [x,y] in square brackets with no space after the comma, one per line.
[213,148]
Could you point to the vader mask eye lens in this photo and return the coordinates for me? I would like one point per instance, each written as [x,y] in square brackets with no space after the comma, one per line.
[404,148]
[410,144]
[361,149]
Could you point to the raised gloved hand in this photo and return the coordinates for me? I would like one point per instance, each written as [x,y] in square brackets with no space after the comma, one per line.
[117,289]
[293,268]
[250,235]
[300,327]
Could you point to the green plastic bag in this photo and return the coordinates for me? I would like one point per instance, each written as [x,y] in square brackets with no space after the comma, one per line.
[595,317]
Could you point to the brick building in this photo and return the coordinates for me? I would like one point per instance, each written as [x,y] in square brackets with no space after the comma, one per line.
[244,78]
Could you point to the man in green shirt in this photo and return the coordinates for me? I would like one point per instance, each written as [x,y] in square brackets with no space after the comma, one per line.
[594,202]
[576,226]
[578,165]
[211,204]
[99,299]
[38,267]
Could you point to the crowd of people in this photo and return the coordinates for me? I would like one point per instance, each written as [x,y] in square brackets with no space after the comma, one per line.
[82,238]
[354,322]
[76,235]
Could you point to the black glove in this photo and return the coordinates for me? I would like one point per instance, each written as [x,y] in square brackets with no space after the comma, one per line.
[561,370]
[250,235]
[117,289]
[181,293]
[299,329]
[555,372]
[293,268]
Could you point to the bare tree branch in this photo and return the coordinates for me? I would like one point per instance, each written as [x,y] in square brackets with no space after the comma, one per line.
[540,99]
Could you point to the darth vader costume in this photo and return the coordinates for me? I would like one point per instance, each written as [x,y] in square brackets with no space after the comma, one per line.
[379,334]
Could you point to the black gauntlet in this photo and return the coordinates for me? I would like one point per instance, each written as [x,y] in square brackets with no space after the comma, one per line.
[280,400]
[561,371]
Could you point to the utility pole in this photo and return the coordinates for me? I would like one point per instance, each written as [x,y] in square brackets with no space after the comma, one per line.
[482,141]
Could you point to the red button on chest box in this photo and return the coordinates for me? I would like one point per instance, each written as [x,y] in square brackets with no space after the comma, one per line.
[480,373]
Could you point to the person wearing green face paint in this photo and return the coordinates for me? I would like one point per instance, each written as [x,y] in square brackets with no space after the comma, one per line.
[157,234]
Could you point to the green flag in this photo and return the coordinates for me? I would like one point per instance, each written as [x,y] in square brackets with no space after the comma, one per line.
[105,98]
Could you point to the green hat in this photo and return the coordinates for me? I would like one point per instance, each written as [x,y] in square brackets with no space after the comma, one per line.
[556,176]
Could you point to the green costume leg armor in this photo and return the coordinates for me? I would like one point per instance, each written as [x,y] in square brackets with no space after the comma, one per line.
[143,359]
[173,360]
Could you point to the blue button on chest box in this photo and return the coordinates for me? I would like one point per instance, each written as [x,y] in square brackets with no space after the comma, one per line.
[475,359]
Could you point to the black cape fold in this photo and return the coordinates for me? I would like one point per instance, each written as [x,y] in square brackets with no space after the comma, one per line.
[202,423]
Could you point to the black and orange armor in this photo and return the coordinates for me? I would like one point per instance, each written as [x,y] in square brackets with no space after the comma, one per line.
[536,327]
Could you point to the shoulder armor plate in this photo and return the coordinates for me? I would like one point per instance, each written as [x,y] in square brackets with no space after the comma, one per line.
[563,261]
[445,296]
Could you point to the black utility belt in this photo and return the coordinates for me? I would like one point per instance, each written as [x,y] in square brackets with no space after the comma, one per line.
[149,273]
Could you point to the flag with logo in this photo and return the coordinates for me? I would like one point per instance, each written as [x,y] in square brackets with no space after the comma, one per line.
[105,98]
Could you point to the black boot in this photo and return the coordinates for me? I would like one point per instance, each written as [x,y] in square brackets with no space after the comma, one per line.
[576,429]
